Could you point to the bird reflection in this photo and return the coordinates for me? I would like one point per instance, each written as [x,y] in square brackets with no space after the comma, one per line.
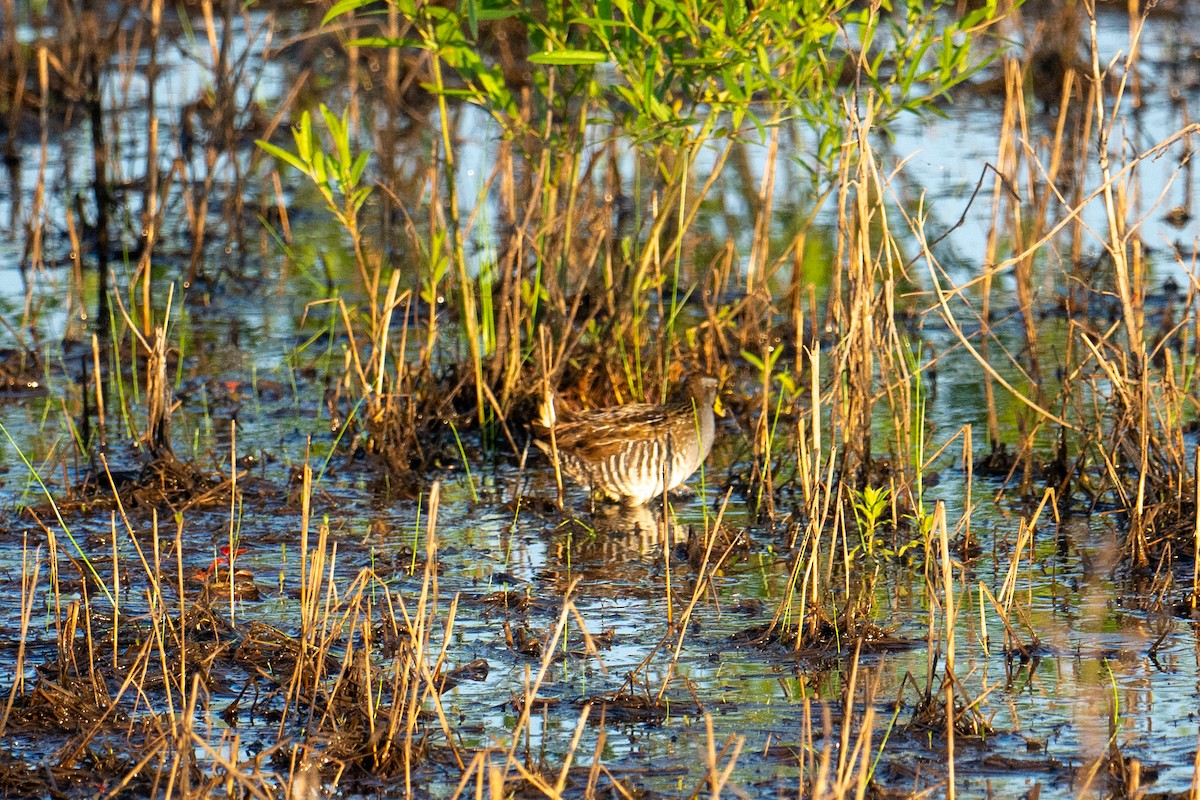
[626,534]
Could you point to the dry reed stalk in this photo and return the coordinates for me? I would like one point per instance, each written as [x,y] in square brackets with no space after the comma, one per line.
[532,686]
[1129,289]
[807,586]
[1052,172]
[76,748]
[1008,590]
[234,501]
[589,791]
[429,673]
[56,590]
[718,775]
[152,221]
[36,226]
[571,169]
[444,144]
[29,584]
[701,582]
[943,297]
[156,748]
[949,618]
[1014,84]
[847,700]
[869,341]
[158,389]
[822,496]
[222,138]
[762,475]
[99,381]
[161,620]
[479,767]
[76,312]
[854,770]
[1024,271]
[1074,208]
[664,531]
[116,593]
[150,190]
[655,254]
[307,602]
[547,397]
[820,779]
[1194,600]
[158,393]
[417,629]
[968,466]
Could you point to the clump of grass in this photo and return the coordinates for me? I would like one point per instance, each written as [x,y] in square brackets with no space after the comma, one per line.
[137,672]
[611,296]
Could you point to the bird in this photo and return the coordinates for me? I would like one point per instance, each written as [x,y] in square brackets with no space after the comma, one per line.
[634,452]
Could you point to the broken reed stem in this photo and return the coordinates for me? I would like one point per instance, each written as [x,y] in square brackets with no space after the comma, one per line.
[551,417]
[948,614]
[232,540]
[96,376]
[29,583]
[718,776]
[417,627]
[116,592]
[702,580]
[848,693]
[968,466]
[306,481]
[162,620]
[548,657]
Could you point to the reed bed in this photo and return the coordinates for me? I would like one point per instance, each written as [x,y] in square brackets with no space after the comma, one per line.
[443,297]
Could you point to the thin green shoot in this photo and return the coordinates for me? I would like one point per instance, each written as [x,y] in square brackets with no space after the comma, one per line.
[337,440]
[462,453]
[58,515]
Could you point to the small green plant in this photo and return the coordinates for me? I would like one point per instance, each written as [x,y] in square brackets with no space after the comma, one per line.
[337,175]
[870,509]
[870,504]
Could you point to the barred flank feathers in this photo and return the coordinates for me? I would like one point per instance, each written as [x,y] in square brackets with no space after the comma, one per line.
[636,451]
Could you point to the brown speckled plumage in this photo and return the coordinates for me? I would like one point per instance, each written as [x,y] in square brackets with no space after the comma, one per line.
[625,452]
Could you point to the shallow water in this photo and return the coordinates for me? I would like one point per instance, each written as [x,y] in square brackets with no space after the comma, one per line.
[1106,670]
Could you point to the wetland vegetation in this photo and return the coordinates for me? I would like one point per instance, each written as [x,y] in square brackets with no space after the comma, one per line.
[284,284]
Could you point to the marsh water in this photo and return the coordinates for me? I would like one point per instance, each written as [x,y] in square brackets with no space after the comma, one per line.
[251,371]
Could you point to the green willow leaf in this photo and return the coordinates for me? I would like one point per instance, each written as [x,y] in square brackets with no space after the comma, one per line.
[385,41]
[568,57]
[282,155]
[343,7]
